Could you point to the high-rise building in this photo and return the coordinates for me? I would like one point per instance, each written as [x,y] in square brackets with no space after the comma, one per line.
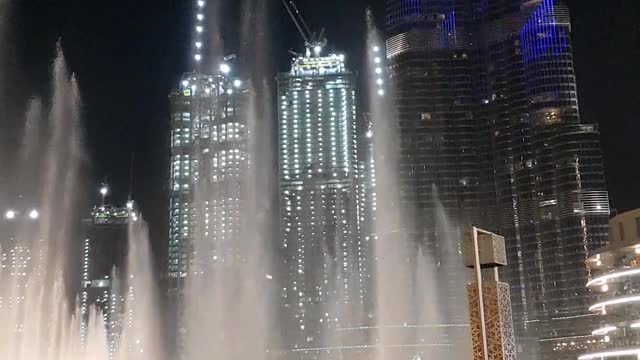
[105,247]
[209,158]
[488,111]
[210,165]
[22,251]
[615,287]
[323,251]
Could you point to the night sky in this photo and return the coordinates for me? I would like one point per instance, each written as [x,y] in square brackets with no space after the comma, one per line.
[128,55]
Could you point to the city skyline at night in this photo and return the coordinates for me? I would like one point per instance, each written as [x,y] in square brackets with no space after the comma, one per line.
[307,175]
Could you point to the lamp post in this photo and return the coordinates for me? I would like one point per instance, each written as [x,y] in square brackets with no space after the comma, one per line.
[491,307]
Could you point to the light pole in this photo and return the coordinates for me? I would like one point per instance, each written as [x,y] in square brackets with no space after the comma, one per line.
[486,250]
[104,191]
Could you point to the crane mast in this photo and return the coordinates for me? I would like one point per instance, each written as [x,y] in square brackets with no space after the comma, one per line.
[313,41]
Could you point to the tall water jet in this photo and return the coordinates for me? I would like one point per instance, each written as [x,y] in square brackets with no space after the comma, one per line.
[225,295]
[413,313]
[39,321]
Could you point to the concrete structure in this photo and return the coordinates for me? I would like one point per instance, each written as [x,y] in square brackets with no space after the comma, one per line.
[615,283]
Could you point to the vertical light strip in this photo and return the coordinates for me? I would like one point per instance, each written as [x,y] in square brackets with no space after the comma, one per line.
[199,30]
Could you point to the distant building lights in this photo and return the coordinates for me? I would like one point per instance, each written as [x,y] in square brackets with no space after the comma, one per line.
[225,68]
[10,215]
[34,214]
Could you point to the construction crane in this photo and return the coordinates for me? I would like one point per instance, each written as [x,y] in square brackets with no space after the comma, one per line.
[313,41]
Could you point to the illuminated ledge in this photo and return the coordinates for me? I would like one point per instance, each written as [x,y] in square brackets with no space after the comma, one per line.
[611,353]
[360,347]
[619,301]
[601,280]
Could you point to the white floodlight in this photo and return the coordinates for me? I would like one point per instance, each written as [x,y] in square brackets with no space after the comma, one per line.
[34,214]
[10,215]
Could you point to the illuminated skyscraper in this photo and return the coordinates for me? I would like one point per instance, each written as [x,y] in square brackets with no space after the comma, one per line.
[323,251]
[209,169]
[488,109]
[209,159]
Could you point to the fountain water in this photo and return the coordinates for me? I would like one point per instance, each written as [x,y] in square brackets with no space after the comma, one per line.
[39,322]
[227,295]
[419,283]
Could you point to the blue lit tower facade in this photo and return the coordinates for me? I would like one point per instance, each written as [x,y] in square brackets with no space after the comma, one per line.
[488,88]
[431,66]
[323,253]
[549,175]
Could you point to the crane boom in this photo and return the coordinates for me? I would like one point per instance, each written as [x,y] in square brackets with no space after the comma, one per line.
[297,19]
[311,39]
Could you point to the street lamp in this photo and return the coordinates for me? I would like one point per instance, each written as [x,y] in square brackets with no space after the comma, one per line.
[490,305]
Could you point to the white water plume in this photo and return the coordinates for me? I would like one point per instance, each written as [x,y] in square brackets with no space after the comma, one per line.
[415,308]
[38,320]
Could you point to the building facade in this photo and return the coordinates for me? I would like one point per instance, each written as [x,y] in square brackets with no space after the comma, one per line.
[22,254]
[209,162]
[615,285]
[488,111]
[323,252]
[103,288]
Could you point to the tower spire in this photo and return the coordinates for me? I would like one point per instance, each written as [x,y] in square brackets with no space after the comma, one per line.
[199,33]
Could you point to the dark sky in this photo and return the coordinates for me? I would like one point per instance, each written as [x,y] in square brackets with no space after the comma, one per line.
[128,55]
